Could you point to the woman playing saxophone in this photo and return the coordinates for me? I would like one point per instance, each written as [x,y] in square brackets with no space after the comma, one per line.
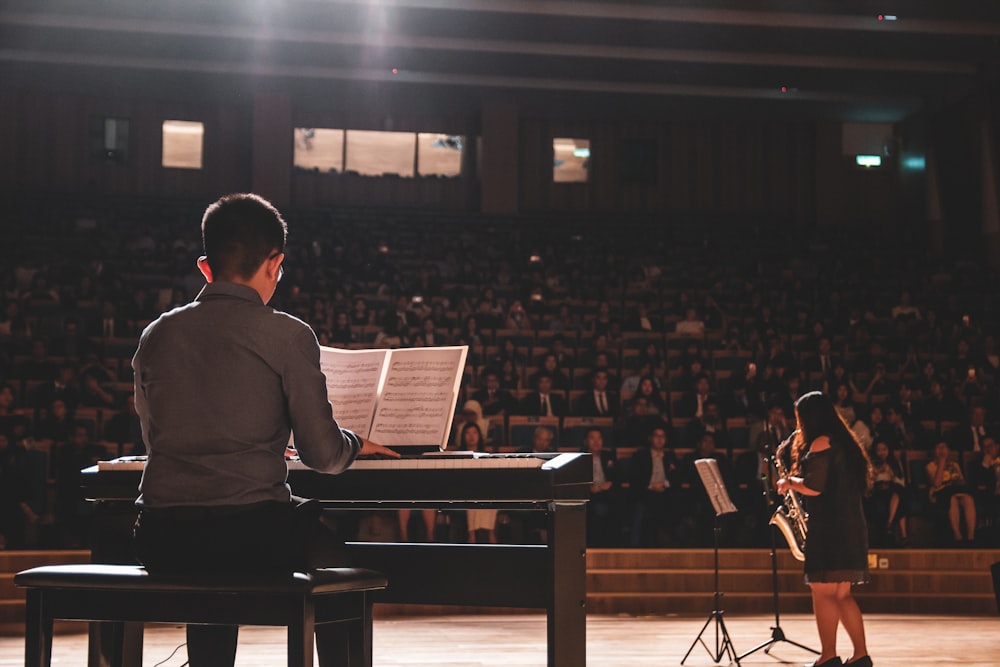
[831,473]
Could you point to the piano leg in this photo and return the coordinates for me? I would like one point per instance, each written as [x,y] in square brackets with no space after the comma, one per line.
[567,562]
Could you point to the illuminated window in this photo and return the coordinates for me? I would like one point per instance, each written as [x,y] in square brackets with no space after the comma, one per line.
[439,154]
[182,144]
[109,138]
[319,149]
[381,153]
[570,160]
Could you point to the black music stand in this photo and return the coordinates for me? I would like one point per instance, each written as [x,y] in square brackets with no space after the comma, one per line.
[777,634]
[708,470]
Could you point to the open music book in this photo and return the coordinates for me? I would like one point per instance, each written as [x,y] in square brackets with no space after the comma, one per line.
[397,398]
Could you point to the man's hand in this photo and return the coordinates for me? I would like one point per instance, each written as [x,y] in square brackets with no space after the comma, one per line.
[369,448]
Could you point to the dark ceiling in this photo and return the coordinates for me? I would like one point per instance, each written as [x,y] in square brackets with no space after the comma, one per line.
[803,59]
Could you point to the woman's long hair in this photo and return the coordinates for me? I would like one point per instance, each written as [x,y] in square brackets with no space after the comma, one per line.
[817,416]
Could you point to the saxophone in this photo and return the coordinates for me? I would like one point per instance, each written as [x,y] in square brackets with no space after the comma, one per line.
[790,518]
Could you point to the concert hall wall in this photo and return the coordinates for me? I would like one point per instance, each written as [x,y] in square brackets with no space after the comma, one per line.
[786,170]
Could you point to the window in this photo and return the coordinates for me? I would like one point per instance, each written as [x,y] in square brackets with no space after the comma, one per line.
[439,154]
[381,153]
[182,144]
[109,138]
[570,160]
[319,149]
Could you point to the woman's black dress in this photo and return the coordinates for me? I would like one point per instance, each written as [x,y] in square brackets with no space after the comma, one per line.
[837,534]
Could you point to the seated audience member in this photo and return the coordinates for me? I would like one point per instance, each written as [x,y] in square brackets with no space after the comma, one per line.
[543,440]
[736,402]
[360,316]
[639,320]
[550,366]
[898,432]
[691,325]
[38,365]
[698,520]
[96,384]
[72,344]
[630,384]
[824,361]
[63,387]
[565,358]
[939,406]
[517,317]
[654,400]
[692,403]
[18,516]
[711,424]
[507,351]
[638,421]
[756,495]
[949,492]
[603,509]
[886,506]
[472,413]
[843,403]
[598,401]
[653,480]
[124,429]
[599,346]
[984,480]
[71,510]
[510,379]
[479,522]
[968,437]
[494,399]
[109,324]
[55,427]
[651,353]
[342,333]
[543,402]
[878,429]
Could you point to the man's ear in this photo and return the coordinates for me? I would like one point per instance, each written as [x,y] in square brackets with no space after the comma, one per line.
[205,269]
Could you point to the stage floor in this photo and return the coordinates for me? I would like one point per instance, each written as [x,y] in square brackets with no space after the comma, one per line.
[612,641]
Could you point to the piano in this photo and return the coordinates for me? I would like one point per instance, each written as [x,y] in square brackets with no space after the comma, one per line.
[549,576]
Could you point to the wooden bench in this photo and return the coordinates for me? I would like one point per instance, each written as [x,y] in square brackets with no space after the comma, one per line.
[125,596]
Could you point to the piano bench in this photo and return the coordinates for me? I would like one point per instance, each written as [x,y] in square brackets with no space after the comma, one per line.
[125,596]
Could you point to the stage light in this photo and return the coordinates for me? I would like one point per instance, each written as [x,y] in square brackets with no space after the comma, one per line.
[581,152]
[395,70]
[915,163]
[868,161]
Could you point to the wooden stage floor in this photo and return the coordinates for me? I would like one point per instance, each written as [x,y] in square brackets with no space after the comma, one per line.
[612,641]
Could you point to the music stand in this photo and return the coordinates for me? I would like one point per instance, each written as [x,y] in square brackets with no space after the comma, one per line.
[777,634]
[711,478]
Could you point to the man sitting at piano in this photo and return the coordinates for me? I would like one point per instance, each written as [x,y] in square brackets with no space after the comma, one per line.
[220,384]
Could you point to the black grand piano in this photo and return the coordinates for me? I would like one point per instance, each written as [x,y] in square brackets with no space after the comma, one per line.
[550,576]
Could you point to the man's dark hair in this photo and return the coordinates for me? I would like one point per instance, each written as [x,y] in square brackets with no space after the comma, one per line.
[239,232]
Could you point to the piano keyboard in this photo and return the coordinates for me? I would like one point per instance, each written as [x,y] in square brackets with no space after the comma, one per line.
[422,462]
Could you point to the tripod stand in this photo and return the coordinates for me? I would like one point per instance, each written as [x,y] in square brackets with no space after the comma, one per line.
[708,469]
[777,634]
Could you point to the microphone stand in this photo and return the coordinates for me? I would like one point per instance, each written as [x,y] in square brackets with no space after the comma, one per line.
[777,634]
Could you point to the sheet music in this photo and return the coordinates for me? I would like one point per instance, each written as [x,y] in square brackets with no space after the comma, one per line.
[353,378]
[711,477]
[417,396]
[400,397]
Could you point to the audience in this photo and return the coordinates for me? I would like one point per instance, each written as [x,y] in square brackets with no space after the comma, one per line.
[722,332]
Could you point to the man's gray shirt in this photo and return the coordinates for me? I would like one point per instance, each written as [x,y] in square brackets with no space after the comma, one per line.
[218,384]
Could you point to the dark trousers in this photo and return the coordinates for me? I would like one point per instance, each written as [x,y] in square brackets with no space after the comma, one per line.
[266,537]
